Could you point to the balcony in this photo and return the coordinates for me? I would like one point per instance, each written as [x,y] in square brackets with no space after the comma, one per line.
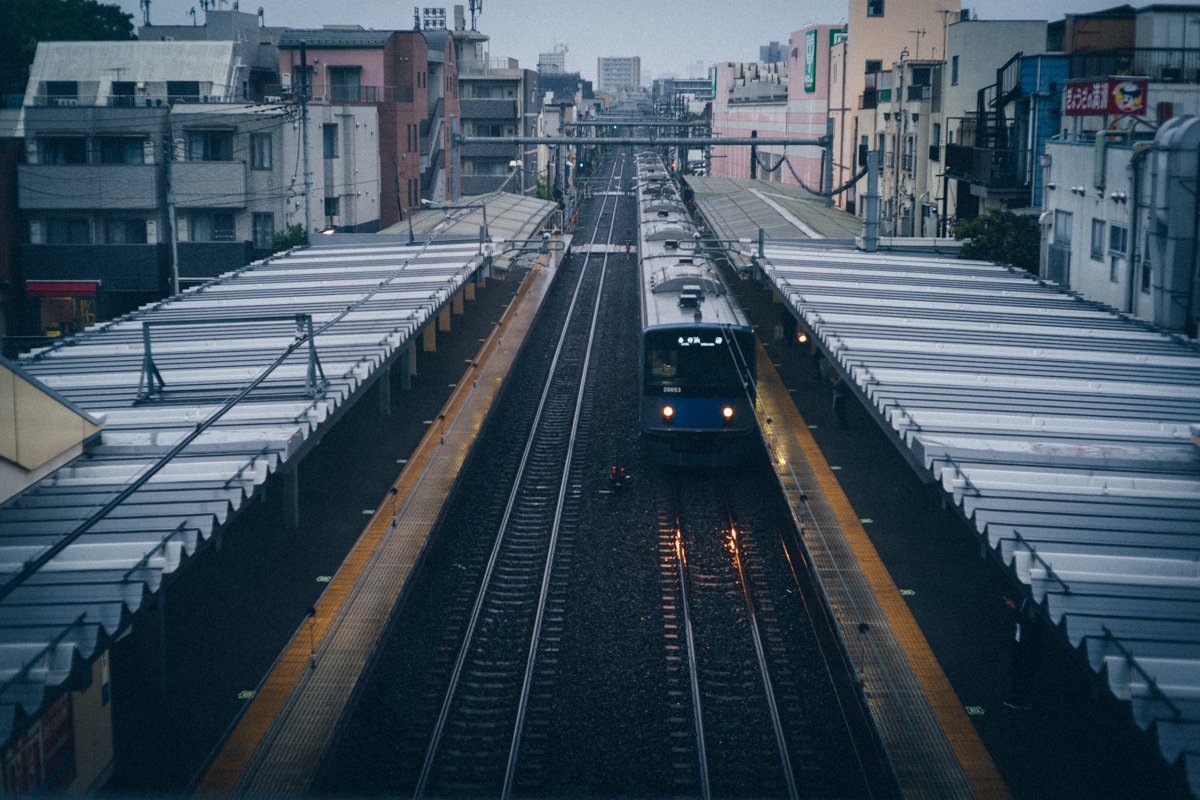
[1164,64]
[129,100]
[868,99]
[209,184]
[906,162]
[994,168]
[918,93]
[84,186]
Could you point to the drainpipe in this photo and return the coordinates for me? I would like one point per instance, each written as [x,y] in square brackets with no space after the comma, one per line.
[1134,252]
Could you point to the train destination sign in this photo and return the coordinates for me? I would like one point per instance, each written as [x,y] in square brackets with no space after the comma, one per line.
[1110,96]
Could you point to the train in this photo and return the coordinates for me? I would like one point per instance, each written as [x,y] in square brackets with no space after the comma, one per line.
[698,351]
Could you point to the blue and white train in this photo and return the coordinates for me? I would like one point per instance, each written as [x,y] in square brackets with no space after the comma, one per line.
[697,348]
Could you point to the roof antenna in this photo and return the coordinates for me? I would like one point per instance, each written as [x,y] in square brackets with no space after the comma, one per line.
[145,4]
[476,8]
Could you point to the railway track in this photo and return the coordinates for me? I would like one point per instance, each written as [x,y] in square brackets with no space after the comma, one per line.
[493,703]
[741,723]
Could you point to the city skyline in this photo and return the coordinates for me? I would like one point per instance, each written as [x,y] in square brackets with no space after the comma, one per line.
[594,32]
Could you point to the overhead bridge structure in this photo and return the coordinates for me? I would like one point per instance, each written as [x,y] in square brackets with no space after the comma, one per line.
[243,376]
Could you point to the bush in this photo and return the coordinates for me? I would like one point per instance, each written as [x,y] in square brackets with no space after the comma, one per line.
[294,236]
[1003,237]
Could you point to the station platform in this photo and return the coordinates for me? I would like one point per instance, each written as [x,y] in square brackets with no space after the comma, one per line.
[276,743]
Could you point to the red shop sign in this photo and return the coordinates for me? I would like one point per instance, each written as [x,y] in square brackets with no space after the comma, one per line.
[1111,96]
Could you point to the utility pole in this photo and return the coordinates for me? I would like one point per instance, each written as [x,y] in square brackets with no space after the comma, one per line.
[454,151]
[396,172]
[169,155]
[308,226]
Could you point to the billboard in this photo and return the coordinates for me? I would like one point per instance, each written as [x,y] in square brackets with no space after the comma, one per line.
[810,61]
[1110,96]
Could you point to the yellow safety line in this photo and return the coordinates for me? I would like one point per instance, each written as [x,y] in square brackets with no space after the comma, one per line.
[968,747]
[235,754]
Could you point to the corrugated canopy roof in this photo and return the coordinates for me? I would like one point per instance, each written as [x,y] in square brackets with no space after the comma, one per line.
[333,37]
[509,216]
[366,302]
[736,208]
[1060,428]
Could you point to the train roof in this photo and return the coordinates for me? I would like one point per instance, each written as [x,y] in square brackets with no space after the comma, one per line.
[678,286]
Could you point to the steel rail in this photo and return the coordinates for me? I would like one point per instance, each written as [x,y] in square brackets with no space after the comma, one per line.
[476,610]
[522,706]
[681,560]
[776,721]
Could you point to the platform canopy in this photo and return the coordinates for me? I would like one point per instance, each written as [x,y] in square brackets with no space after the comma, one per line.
[1062,429]
[71,577]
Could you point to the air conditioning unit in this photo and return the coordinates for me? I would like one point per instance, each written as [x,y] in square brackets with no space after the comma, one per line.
[272,98]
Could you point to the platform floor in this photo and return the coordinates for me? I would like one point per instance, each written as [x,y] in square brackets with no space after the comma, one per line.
[933,745]
[278,742]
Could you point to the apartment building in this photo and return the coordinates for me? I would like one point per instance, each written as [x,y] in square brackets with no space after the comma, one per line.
[614,73]
[386,69]
[879,33]
[112,128]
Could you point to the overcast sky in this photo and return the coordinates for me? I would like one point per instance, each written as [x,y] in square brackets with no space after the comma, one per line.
[669,36]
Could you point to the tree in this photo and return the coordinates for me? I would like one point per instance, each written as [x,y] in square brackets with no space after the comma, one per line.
[294,236]
[1001,236]
[24,23]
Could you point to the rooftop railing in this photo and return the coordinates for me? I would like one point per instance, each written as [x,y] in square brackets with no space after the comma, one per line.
[1161,64]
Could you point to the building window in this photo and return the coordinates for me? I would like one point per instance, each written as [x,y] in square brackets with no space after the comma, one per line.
[1118,238]
[123,94]
[332,208]
[260,151]
[1145,278]
[264,231]
[345,84]
[1114,268]
[122,150]
[65,90]
[64,150]
[1098,239]
[1063,221]
[214,227]
[329,133]
[486,129]
[954,71]
[210,146]
[68,230]
[873,66]
[125,231]
[183,92]
[874,8]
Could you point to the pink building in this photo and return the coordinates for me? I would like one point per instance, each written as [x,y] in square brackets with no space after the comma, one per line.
[773,101]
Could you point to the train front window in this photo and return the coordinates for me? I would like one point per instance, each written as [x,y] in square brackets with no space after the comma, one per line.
[694,358]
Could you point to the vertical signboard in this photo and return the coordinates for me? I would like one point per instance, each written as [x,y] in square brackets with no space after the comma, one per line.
[42,761]
[810,61]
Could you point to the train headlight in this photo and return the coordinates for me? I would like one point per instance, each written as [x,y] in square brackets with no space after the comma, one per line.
[727,413]
[668,415]
[803,338]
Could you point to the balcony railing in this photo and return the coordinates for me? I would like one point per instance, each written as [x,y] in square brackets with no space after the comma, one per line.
[1165,64]
[128,100]
[906,162]
[87,186]
[868,99]
[996,168]
[919,93]
[343,94]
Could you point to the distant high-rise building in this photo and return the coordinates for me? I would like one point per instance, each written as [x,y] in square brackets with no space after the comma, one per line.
[556,61]
[618,73]
[772,53]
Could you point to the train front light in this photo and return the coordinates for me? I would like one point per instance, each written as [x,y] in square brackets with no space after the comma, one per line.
[803,338]
[668,415]
[727,413]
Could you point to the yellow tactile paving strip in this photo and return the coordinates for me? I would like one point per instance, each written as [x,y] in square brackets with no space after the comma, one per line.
[278,742]
[860,589]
